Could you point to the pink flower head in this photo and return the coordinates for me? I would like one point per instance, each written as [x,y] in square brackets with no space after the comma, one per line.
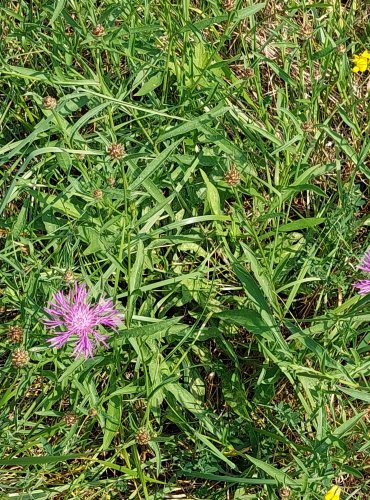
[75,315]
[364,285]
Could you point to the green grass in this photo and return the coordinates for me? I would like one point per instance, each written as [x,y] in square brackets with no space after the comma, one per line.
[243,361]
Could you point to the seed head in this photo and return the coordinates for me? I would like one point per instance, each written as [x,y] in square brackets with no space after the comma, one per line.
[93,412]
[70,418]
[49,102]
[142,436]
[116,151]
[69,276]
[111,181]
[20,358]
[98,30]
[232,176]
[15,334]
[3,232]
[69,30]
[97,194]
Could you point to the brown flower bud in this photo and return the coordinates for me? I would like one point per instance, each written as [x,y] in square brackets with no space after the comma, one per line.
[15,334]
[116,151]
[49,102]
[232,176]
[20,358]
[69,276]
[142,436]
[97,194]
[98,30]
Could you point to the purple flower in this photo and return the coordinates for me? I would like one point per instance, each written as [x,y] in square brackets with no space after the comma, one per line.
[364,285]
[75,315]
[365,264]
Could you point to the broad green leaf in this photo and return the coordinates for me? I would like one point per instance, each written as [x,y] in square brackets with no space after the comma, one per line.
[301,224]
[247,318]
[213,197]
[112,420]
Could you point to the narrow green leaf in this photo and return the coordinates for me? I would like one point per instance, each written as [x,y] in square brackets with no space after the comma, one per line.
[57,10]
[277,474]
[47,459]
[213,197]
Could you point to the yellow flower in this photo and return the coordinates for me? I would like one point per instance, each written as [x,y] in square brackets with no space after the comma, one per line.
[333,493]
[362,62]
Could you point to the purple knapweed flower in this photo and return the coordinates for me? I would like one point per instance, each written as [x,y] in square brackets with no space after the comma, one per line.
[364,285]
[75,315]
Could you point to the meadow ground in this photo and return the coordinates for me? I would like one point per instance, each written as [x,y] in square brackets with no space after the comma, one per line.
[205,165]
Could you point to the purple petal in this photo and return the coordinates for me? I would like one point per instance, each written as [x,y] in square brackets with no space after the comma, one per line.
[79,294]
[365,264]
[363,286]
[84,347]
[59,339]
[107,314]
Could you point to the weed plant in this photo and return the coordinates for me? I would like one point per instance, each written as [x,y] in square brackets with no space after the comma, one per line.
[204,164]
